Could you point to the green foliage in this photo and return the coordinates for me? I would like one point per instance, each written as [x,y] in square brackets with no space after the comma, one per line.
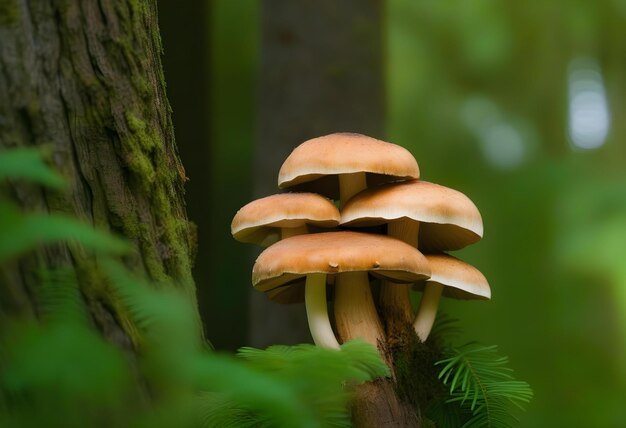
[22,232]
[28,164]
[481,386]
[282,386]
[358,359]
[444,327]
[303,366]
[63,361]
[58,370]
[59,299]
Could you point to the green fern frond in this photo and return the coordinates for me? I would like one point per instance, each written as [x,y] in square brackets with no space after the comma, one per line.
[165,316]
[480,381]
[445,326]
[256,391]
[244,391]
[20,233]
[314,377]
[63,359]
[58,297]
[28,164]
[216,410]
[357,360]
[448,415]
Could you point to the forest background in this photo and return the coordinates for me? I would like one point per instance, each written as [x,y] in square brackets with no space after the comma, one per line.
[518,105]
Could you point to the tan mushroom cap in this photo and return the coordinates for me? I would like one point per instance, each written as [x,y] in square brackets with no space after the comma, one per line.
[460,280]
[314,164]
[260,221]
[336,252]
[449,220]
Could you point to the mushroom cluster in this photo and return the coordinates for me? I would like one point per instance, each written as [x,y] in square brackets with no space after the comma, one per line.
[310,249]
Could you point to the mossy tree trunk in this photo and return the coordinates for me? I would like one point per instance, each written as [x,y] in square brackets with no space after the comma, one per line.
[321,72]
[85,79]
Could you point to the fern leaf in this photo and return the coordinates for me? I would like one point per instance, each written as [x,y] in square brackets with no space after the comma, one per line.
[448,415]
[445,326]
[165,317]
[315,377]
[59,299]
[480,382]
[269,399]
[357,360]
[20,233]
[61,363]
[28,164]
[216,410]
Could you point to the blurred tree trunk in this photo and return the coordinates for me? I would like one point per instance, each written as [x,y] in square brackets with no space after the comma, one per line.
[85,79]
[321,72]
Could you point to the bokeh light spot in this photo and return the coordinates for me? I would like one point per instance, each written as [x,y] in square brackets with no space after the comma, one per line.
[588,117]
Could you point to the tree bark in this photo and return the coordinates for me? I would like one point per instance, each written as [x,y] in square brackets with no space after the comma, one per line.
[321,72]
[85,79]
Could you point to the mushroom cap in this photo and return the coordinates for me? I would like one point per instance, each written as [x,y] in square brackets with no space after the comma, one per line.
[460,280]
[291,259]
[260,221]
[449,220]
[314,164]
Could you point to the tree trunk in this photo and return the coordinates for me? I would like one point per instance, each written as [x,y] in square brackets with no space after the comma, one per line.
[85,79]
[321,72]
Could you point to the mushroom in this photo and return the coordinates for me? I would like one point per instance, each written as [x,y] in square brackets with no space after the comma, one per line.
[452,278]
[422,214]
[339,166]
[350,253]
[267,220]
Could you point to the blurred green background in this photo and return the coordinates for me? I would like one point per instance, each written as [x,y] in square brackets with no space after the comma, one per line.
[517,104]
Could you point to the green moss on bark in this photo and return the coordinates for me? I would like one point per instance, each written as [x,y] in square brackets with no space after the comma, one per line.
[9,12]
[416,373]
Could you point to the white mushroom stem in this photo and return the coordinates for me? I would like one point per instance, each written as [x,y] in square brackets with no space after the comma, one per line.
[355,312]
[428,309]
[394,298]
[317,311]
[286,232]
[315,300]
